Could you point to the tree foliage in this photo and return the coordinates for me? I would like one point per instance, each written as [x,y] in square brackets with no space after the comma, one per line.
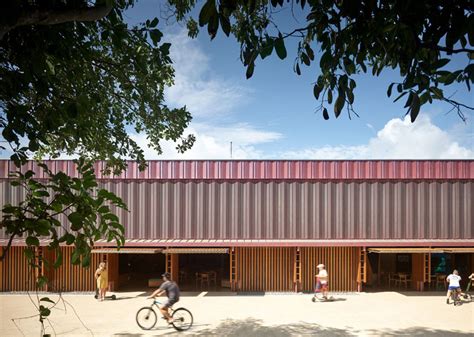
[80,87]
[346,38]
[63,210]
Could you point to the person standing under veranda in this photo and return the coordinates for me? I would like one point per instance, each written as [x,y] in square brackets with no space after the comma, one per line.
[172,292]
[322,280]
[101,275]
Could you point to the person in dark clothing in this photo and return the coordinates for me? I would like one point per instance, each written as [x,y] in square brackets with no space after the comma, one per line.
[172,292]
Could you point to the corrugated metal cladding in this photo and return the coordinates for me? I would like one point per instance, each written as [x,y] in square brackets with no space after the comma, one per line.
[291,209]
[273,169]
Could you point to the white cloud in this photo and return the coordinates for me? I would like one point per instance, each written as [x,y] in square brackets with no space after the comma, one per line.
[399,139]
[196,86]
[214,143]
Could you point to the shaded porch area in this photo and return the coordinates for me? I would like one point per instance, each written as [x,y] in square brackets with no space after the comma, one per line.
[420,269]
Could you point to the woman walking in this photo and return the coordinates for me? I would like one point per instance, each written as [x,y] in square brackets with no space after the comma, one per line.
[102,280]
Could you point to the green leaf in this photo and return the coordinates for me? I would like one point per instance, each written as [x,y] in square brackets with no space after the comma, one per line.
[400,96]
[415,107]
[32,241]
[153,23]
[46,299]
[44,312]
[86,261]
[103,209]
[207,11]
[69,238]
[155,36]
[409,100]
[325,114]
[325,60]
[50,66]
[389,91]
[317,90]
[225,24]
[438,93]
[309,52]
[339,104]
[41,193]
[41,281]
[441,63]
[77,221]
[110,216]
[267,47]
[43,227]
[59,259]
[305,59]
[297,69]
[250,69]
[280,47]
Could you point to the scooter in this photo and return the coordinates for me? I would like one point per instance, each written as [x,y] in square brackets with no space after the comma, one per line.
[318,296]
[111,297]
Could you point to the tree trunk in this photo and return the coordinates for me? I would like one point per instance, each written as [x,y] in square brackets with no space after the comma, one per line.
[55,16]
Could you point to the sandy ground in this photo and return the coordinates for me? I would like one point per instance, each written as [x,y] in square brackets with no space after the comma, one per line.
[374,314]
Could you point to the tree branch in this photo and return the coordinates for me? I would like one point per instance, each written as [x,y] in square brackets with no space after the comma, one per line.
[56,16]
[446,49]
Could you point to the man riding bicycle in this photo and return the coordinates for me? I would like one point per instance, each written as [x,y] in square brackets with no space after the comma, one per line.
[454,285]
[172,292]
[322,280]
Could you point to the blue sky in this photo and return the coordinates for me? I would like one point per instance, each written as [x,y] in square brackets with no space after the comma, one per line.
[272,115]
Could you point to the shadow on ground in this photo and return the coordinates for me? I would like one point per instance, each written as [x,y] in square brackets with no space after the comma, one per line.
[254,328]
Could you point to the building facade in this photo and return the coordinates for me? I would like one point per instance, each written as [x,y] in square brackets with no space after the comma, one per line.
[265,225]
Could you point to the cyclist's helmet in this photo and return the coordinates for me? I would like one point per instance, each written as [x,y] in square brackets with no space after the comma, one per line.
[167,275]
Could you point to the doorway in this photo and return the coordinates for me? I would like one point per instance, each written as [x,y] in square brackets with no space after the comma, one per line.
[204,272]
[137,271]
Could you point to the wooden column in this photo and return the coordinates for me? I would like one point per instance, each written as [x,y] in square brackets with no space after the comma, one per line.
[175,267]
[417,271]
[113,271]
[1,270]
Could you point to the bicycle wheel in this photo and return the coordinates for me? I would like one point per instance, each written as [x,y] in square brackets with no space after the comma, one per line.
[146,318]
[182,319]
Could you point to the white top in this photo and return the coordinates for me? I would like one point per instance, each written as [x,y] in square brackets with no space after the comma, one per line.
[323,276]
[454,280]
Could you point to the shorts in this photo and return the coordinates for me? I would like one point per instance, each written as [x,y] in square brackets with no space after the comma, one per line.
[169,303]
[454,288]
[321,287]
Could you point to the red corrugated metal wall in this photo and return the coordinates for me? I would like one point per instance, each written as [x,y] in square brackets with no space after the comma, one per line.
[274,169]
[291,210]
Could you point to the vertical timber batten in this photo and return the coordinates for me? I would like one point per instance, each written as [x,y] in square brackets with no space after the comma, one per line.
[341,264]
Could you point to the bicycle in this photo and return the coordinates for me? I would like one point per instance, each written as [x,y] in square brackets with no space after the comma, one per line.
[147,317]
[466,294]
[455,297]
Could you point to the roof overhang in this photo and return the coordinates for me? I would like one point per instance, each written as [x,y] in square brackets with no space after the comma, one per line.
[390,250]
[127,250]
[164,243]
[196,251]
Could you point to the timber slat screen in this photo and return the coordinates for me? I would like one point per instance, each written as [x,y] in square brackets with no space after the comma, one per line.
[265,268]
[16,274]
[341,264]
[69,277]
